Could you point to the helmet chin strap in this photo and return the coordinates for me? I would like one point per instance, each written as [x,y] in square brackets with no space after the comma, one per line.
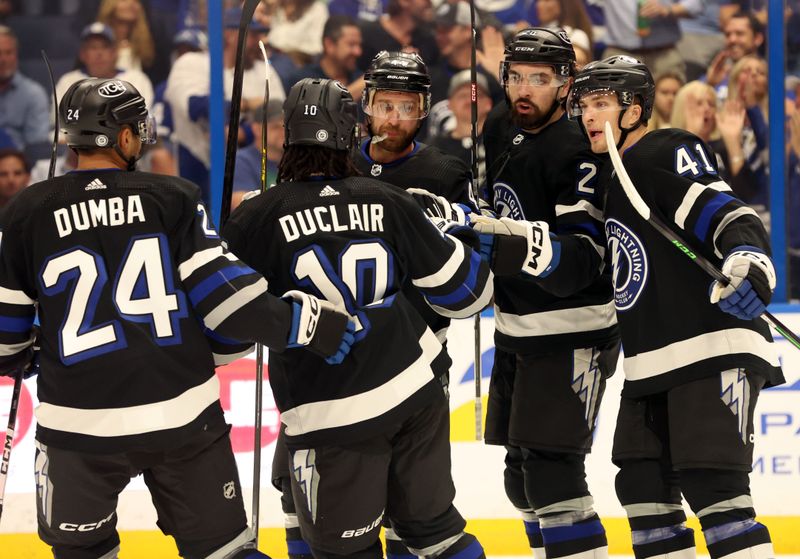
[130,161]
[625,131]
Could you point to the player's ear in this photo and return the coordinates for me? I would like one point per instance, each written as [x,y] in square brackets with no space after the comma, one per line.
[632,115]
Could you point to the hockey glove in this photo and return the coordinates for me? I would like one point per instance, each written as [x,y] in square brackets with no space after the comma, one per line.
[484,208]
[517,246]
[26,361]
[752,280]
[319,327]
[436,206]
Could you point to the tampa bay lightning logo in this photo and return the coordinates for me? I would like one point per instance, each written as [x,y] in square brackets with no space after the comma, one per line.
[629,262]
[506,202]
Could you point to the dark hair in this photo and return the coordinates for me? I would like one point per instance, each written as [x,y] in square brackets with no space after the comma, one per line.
[335,24]
[300,163]
[755,24]
[393,8]
[13,152]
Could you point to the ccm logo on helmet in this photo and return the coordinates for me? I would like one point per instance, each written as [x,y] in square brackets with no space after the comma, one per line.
[88,527]
[111,89]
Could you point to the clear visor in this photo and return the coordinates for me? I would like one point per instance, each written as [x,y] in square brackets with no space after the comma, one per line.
[582,101]
[148,131]
[535,79]
[401,110]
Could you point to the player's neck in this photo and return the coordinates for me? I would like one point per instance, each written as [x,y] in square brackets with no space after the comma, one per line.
[99,160]
[633,137]
[380,155]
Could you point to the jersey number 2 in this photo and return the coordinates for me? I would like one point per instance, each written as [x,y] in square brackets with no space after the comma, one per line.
[143,291]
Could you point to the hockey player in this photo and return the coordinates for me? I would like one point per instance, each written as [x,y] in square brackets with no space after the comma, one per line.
[370,437]
[685,423]
[134,289]
[556,334]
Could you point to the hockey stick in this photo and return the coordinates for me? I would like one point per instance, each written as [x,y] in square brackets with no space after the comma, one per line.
[643,210]
[260,347]
[473,155]
[248,9]
[12,423]
[12,413]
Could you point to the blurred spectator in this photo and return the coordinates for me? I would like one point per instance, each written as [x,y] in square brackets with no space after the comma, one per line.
[456,136]
[667,86]
[793,211]
[571,16]
[135,48]
[362,10]
[454,39]
[296,29]
[404,27]
[23,102]
[66,161]
[341,48]
[701,39]
[6,141]
[15,174]
[98,59]
[187,92]
[512,15]
[649,31]
[748,84]
[744,35]
[8,8]
[248,158]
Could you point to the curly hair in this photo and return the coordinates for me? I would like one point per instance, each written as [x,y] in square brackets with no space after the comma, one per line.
[300,163]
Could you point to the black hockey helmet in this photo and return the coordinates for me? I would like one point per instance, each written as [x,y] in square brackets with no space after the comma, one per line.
[397,71]
[538,45]
[624,75]
[93,111]
[320,112]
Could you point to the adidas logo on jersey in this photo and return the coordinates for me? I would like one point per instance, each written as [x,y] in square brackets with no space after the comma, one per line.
[328,191]
[96,184]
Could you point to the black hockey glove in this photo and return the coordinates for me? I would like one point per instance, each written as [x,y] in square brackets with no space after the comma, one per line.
[26,361]
[319,327]
[510,246]
[752,280]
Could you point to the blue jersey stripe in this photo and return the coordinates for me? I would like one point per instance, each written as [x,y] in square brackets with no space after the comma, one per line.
[704,221]
[220,277]
[464,290]
[16,324]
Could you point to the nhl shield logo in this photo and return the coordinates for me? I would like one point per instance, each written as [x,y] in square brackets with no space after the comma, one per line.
[376,170]
[517,139]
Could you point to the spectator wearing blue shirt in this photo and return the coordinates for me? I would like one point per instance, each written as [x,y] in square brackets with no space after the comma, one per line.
[23,102]
[361,10]
[247,176]
[341,49]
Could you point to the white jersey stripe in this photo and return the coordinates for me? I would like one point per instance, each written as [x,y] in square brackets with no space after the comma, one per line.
[200,259]
[131,420]
[234,303]
[691,197]
[14,297]
[563,321]
[581,206]
[12,349]
[446,272]
[649,509]
[729,217]
[328,414]
[705,346]
[225,358]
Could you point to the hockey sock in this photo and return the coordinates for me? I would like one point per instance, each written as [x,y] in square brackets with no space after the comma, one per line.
[742,538]
[666,542]
[534,534]
[298,547]
[461,546]
[578,534]
[395,548]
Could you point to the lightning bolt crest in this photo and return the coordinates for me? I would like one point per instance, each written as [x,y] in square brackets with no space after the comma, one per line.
[735,394]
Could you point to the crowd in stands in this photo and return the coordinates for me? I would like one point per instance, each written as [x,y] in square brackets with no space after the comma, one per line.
[707,58]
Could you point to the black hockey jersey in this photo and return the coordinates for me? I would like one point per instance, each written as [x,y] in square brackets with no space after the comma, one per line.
[671,333]
[429,168]
[550,176]
[134,293]
[354,242]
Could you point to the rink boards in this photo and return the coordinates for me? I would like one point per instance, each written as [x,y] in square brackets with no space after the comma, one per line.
[477,468]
